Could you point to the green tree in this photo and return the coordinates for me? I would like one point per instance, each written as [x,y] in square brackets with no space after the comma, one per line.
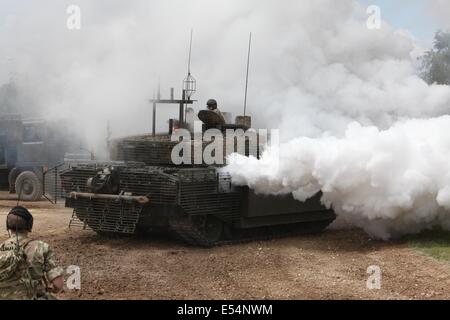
[436,62]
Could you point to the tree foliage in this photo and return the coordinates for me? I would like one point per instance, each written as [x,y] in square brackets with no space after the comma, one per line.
[436,62]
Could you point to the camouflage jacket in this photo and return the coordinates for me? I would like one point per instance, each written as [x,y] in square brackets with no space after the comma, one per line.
[30,280]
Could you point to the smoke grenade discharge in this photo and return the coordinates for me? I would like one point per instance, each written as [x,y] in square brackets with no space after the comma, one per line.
[388,182]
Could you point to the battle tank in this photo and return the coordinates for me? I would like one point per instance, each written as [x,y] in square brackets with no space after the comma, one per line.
[142,191]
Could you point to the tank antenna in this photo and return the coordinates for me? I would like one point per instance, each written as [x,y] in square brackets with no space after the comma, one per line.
[189,83]
[248,68]
[190,52]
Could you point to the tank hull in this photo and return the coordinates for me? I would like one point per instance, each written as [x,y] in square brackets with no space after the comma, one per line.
[198,205]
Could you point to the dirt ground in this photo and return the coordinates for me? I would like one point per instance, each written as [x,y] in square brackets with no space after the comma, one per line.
[328,266]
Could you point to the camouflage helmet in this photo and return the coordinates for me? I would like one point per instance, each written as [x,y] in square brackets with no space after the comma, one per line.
[19,219]
[212,104]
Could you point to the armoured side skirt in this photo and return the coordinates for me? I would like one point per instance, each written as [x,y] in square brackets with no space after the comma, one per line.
[266,221]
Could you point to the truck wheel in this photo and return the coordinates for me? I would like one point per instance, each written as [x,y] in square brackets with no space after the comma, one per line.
[12,176]
[28,186]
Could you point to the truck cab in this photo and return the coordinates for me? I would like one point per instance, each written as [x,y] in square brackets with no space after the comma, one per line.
[27,149]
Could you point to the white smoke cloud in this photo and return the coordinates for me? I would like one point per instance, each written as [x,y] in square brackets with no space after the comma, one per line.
[388,182]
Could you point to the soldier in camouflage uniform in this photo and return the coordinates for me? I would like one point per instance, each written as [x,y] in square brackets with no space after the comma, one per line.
[38,271]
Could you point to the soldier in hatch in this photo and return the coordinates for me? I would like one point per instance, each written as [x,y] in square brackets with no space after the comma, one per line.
[212,106]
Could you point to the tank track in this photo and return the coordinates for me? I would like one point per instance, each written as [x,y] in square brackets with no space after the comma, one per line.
[185,231]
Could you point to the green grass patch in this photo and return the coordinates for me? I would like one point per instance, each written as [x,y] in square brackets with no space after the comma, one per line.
[435,243]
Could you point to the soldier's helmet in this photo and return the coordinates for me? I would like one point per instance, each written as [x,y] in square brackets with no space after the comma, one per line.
[212,104]
[19,219]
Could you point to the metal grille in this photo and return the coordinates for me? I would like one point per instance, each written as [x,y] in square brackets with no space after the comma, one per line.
[106,216]
[153,151]
[137,180]
[72,176]
[76,176]
[53,190]
[199,191]
[157,185]
[206,192]
[157,151]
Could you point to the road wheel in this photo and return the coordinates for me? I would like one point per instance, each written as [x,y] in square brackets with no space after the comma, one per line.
[12,176]
[29,186]
[211,229]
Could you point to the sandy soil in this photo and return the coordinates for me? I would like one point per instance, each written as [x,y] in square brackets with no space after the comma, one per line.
[328,266]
